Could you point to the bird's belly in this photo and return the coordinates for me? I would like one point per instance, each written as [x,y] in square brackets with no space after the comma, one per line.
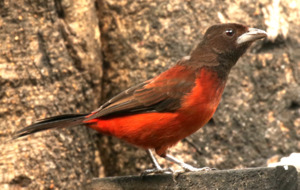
[148,130]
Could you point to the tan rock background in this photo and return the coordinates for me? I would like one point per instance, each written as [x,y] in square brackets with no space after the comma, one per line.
[70,56]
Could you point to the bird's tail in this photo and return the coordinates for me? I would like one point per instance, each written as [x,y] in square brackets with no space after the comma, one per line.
[60,121]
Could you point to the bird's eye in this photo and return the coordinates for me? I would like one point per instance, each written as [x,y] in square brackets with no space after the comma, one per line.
[229,32]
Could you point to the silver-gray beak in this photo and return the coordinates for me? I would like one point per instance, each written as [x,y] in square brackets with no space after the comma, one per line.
[252,35]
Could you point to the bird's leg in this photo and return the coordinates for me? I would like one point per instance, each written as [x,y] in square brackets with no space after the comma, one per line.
[157,168]
[185,166]
[154,160]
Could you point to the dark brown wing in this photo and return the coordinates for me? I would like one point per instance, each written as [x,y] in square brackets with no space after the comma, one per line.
[161,94]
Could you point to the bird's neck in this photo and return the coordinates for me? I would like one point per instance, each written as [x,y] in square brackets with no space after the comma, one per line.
[223,68]
[213,60]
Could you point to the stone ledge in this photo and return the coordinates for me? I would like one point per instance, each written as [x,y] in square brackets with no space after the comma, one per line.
[280,177]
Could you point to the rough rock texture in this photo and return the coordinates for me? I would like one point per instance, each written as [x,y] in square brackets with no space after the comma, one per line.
[45,61]
[259,116]
[50,64]
[280,178]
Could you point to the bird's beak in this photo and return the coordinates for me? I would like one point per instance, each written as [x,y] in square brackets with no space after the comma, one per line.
[252,35]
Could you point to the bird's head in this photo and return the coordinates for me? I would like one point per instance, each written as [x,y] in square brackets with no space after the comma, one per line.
[226,43]
[231,38]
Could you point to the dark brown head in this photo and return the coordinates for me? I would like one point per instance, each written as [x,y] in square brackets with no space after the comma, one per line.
[225,43]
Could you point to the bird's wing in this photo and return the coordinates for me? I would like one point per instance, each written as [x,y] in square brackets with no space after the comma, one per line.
[163,93]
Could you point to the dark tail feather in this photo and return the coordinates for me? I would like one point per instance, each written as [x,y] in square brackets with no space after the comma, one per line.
[52,122]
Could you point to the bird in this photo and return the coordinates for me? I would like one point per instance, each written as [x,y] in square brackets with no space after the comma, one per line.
[159,112]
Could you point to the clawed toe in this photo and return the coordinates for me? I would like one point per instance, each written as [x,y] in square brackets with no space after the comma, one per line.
[193,169]
[157,171]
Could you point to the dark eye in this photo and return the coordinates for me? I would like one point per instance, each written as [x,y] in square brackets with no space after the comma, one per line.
[229,32]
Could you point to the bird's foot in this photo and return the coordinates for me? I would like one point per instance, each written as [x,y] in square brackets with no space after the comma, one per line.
[189,168]
[157,171]
[176,173]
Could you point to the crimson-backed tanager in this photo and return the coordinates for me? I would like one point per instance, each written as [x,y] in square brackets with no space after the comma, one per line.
[159,112]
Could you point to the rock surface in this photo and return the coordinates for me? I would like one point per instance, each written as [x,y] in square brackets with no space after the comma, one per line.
[279,178]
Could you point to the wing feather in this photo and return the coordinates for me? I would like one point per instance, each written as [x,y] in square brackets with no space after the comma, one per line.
[163,93]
